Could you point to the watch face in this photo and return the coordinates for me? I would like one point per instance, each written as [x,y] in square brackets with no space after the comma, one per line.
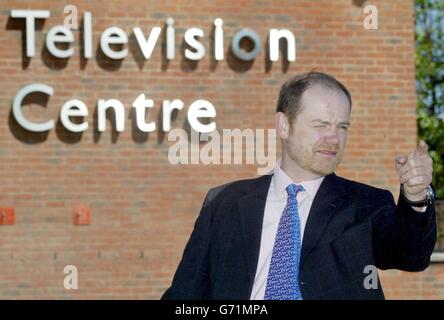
[430,193]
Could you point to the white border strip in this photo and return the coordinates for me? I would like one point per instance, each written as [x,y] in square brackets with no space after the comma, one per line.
[437,257]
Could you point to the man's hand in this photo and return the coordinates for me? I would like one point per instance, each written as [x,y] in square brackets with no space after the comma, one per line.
[415,172]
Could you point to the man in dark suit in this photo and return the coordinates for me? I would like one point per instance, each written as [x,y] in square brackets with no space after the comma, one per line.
[302,232]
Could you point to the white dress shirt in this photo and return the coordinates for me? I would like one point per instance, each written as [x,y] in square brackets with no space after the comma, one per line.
[274,206]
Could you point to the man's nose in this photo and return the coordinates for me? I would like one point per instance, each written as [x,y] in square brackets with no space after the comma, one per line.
[333,136]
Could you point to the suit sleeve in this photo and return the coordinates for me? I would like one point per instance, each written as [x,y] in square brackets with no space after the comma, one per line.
[192,277]
[404,238]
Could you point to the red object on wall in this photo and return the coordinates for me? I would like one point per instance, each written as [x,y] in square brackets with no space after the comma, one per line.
[82,215]
[7,216]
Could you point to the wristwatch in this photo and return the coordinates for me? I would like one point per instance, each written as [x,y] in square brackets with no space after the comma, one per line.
[430,197]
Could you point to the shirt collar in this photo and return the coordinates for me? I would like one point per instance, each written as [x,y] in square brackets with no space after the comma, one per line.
[282,180]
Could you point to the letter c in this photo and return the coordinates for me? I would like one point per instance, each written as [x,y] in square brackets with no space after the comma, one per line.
[17,105]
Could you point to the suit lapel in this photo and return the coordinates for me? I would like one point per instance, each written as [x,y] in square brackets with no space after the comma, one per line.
[328,199]
[251,211]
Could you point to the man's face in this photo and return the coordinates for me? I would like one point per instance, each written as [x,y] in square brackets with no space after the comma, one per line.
[315,143]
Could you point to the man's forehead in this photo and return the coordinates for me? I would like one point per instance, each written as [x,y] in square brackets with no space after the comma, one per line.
[321,99]
[323,93]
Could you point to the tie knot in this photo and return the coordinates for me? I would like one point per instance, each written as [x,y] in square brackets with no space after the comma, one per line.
[293,189]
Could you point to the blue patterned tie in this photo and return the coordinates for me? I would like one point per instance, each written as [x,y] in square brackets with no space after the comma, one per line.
[283,277]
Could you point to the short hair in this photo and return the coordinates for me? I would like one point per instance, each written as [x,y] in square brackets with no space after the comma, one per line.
[292,90]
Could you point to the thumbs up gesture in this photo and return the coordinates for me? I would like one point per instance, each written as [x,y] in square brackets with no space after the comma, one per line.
[415,172]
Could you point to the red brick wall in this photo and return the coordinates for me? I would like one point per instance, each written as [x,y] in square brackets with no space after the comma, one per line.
[413,285]
[143,208]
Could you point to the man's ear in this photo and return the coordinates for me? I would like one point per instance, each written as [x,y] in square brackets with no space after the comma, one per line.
[282,125]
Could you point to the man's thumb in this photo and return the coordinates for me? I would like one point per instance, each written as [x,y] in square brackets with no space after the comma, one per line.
[401,159]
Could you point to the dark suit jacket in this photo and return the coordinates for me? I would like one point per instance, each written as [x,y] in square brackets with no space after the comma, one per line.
[350,225]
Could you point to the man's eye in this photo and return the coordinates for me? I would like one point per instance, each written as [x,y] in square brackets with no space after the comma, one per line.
[344,127]
[319,126]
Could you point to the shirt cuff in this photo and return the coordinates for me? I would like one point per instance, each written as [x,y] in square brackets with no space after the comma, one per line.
[420,209]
